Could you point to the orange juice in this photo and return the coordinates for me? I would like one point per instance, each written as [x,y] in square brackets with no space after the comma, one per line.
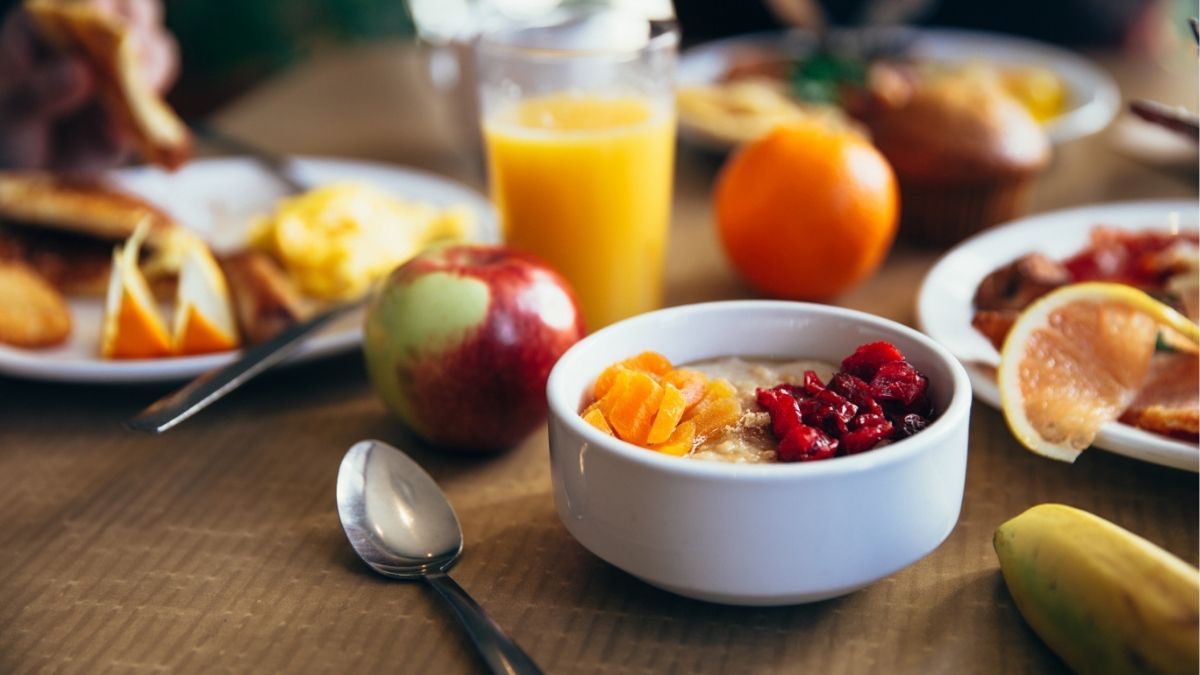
[584,182]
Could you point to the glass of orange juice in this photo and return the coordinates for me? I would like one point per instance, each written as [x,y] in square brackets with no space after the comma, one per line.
[579,128]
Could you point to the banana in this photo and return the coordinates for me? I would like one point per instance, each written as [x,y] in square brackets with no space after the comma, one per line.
[1104,599]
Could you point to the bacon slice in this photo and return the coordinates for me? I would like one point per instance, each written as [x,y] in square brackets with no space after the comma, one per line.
[264,297]
[107,45]
[1169,401]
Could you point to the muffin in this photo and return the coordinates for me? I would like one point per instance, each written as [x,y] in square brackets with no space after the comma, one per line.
[964,153]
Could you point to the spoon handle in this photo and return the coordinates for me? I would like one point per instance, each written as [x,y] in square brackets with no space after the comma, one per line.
[500,653]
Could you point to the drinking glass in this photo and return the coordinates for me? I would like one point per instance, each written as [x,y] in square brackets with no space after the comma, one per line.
[578,122]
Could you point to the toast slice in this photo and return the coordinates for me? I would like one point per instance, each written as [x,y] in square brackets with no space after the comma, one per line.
[106,43]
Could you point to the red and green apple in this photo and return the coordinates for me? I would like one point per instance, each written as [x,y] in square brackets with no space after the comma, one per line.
[459,342]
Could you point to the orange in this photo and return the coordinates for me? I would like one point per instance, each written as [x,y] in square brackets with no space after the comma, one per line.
[806,211]
[1075,359]
[204,319]
[132,328]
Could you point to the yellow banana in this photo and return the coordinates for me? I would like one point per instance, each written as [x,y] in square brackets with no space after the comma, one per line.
[1104,599]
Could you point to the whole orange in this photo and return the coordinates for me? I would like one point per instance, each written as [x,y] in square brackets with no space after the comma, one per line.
[806,211]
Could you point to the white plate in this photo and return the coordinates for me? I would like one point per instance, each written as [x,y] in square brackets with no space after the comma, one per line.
[216,198]
[1094,97]
[944,307]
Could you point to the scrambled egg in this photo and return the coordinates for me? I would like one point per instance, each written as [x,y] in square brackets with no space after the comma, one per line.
[335,241]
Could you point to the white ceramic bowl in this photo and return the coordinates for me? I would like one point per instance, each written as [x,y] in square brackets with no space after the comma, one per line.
[767,534]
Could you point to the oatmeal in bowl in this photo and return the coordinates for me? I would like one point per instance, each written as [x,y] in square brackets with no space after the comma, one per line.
[735,409]
[689,442]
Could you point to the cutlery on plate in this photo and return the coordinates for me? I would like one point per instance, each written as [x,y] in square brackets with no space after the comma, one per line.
[1175,118]
[400,523]
[210,387]
[278,166]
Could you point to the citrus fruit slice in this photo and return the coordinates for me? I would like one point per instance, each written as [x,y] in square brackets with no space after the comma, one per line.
[1075,360]
[204,320]
[132,328]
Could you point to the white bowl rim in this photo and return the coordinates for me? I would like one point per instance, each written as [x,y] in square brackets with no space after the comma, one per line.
[939,431]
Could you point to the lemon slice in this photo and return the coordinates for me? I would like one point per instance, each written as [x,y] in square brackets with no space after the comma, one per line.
[1075,359]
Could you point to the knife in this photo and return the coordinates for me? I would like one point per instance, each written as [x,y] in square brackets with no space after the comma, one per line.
[208,388]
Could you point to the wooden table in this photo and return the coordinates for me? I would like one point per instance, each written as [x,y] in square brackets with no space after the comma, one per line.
[216,547]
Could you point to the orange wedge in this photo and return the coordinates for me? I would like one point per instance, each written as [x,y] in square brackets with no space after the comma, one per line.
[204,319]
[132,328]
[1075,359]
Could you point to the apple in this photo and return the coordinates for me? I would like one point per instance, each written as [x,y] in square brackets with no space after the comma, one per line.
[459,342]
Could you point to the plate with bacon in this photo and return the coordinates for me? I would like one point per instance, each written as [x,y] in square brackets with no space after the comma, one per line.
[972,295]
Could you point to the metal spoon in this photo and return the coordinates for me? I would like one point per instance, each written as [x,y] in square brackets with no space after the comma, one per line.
[400,523]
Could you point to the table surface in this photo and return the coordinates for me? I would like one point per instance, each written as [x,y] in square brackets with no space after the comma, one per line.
[217,545]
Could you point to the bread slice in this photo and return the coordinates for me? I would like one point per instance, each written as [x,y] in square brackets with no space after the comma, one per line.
[104,42]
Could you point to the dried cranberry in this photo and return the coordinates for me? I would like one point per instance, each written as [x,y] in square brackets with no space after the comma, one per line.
[812,411]
[898,381]
[867,420]
[865,438]
[793,390]
[922,406]
[812,383]
[827,410]
[867,359]
[909,425]
[856,391]
[806,444]
[877,397]
[837,404]
[782,407]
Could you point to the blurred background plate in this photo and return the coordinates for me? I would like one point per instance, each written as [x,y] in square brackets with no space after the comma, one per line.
[1093,96]
[217,198]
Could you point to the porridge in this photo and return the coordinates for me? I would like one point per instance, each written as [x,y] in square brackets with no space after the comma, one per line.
[744,410]
[750,438]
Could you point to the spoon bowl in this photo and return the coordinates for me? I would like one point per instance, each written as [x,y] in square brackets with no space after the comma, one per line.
[401,524]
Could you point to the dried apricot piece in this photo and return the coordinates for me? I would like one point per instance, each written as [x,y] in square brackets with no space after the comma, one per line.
[646,362]
[714,414]
[615,391]
[690,383]
[595,417]
[670,410]
[650,362]
[719,388]
[680,443]
[714,390]
[632,413]
[606,380]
